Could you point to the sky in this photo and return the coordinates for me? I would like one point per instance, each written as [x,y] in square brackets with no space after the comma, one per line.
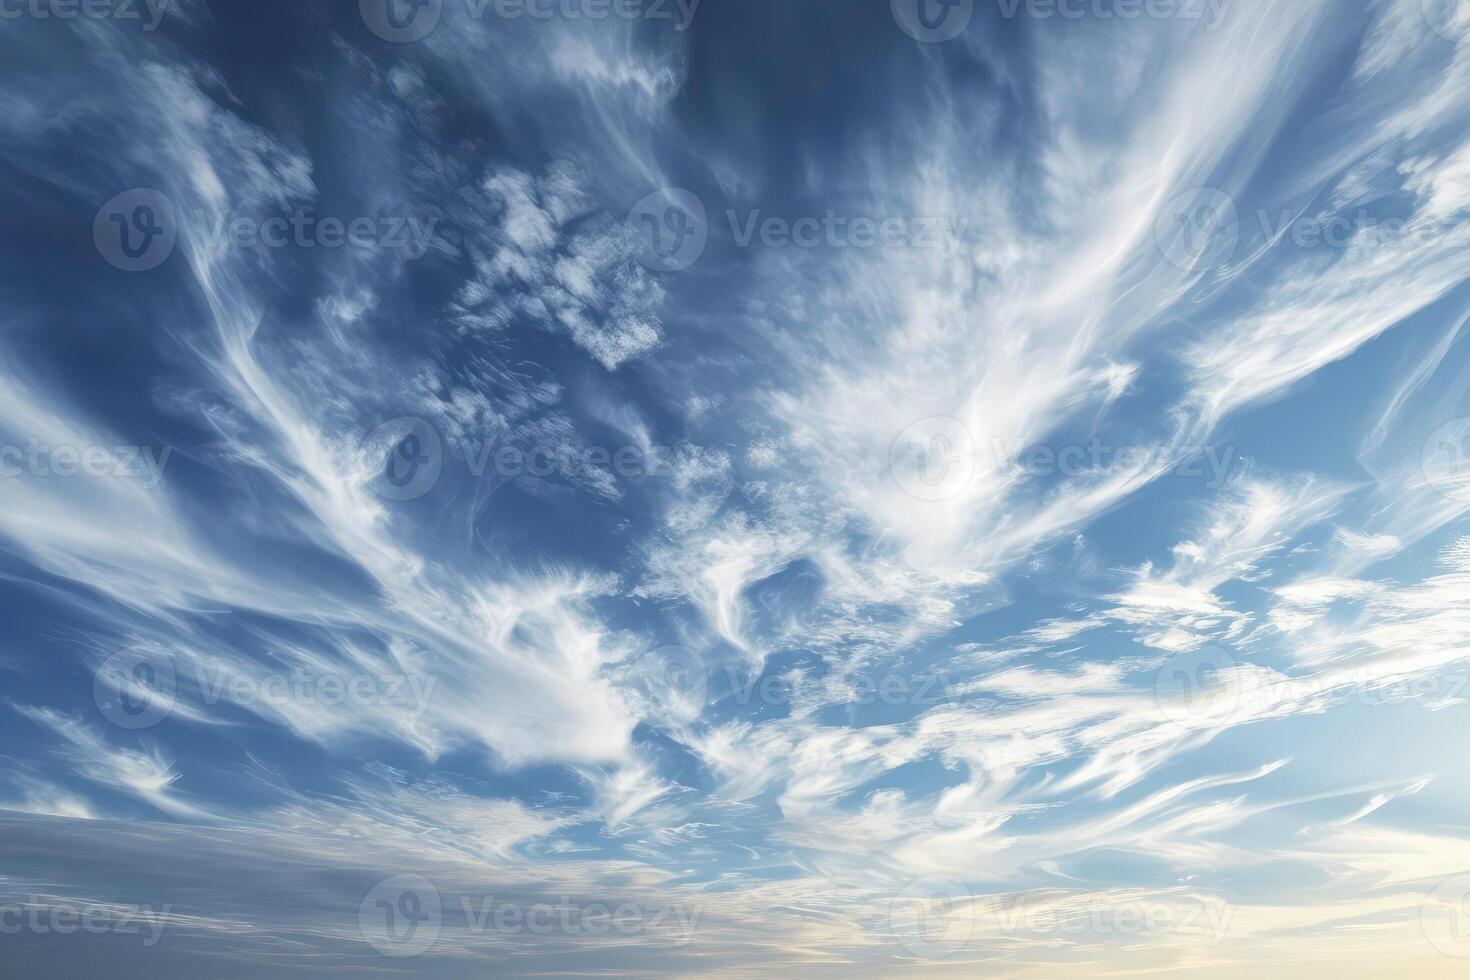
[837,488]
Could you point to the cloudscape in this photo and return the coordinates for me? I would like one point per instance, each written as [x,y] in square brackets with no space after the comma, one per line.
[735,488]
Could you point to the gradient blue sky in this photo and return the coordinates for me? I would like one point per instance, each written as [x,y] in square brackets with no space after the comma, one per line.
[762,488]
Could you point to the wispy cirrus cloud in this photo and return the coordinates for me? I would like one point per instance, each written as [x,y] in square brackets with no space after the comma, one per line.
[927,644]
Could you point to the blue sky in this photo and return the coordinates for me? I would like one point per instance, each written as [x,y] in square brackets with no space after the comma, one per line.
[970,488]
